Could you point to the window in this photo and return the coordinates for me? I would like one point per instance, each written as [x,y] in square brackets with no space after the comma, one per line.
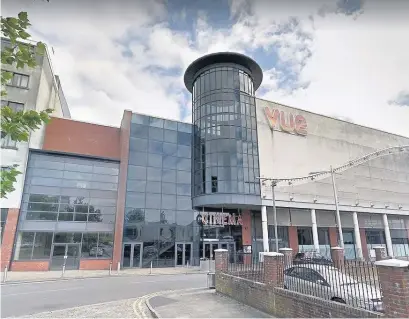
[6,141]
[19,80]
[214,184]
[4,212]
[304,236]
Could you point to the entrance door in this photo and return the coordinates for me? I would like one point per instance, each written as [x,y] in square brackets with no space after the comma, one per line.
[72,253]
[183,254]
[131,255]
[209,248]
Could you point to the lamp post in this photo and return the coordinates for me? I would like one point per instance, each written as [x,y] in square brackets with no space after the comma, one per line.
[273,185]
[338,217]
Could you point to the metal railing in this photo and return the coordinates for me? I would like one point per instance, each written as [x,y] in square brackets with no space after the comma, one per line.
[351,282]
[245,267]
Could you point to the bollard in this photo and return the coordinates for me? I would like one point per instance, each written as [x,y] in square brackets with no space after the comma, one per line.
[150,273]
[5,274]
[110,268]
[119,267]
[187,266]
[63,266]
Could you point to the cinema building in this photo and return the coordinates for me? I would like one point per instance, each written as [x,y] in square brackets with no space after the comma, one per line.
[166,193]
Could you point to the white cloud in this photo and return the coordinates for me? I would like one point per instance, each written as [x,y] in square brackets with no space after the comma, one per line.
[351,66]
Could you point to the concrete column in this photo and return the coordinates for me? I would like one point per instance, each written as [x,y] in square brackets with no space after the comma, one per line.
[274,269]
[221,260]
[264,226]
[393,277]
[380,253]
[357,235]
[288,256]
[387,235]
[337,255]
[315,231]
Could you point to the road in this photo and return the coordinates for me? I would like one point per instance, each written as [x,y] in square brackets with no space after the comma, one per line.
[30,298]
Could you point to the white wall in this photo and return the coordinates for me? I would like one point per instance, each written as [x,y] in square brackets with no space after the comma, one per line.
[41,94]
[382,181]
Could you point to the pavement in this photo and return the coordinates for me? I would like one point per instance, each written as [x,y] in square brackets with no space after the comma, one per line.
[31,276]
[200,303]
[112,297]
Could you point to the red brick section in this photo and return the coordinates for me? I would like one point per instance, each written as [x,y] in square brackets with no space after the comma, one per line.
[246,233]
[123,173]
[394,280]
[94,264]
[221,260]
[333,236]
[8,237]
[363,243]
[274,269]
[337,255]
[66,135]
[32,265]
[293,238]
[380,253]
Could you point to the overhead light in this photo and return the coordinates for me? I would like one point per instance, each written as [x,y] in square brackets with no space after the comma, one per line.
[315,200]
[372,204]
[400,206]
[356,202]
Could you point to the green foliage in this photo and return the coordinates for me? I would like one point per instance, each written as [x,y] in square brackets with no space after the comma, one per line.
[8,178]
[21,53]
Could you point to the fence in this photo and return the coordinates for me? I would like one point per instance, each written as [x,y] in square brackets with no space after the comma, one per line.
[245,267]
[350,282]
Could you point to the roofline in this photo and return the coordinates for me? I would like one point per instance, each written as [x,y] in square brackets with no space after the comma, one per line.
[223,57]
[334,118]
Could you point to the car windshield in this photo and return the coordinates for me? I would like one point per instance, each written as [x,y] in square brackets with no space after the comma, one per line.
[335,277]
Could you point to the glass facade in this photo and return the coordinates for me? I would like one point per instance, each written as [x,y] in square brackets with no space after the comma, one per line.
[160,226]
[225,150]
[68,208]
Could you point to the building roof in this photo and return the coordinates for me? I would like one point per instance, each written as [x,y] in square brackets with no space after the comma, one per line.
[223,57]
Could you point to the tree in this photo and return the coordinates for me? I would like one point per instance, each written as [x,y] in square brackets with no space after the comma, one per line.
[15,124]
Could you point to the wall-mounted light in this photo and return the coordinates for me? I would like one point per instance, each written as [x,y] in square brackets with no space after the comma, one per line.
[356,202]
[315,199]
[291,197]
[386,206]
[372,204]
[400,206]
[264,196]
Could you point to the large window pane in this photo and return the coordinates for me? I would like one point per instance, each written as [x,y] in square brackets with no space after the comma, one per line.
[139,131]
[24,245]
[89,245]
[42,245]
[154,174]
[67,237]
[106,244]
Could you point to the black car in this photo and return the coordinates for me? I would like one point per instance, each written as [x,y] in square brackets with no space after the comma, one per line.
[311,257]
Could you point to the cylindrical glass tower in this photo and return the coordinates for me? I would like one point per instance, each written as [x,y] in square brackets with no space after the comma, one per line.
[225,162]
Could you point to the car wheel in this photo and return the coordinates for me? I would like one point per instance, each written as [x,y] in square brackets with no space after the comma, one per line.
[336,299]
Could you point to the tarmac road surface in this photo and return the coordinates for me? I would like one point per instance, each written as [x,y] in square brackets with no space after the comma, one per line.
[29,298]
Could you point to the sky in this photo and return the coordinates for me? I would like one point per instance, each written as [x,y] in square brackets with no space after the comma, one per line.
[342,58]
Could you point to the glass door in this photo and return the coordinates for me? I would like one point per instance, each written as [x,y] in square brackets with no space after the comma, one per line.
[131,255]
[65,253]
[183,254]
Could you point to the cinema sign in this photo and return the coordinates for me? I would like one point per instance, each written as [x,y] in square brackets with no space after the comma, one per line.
[286,122]
[219,219]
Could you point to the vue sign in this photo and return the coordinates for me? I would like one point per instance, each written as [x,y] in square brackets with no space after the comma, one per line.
[286,122]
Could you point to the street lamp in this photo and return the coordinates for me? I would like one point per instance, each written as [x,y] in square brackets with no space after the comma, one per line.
[340,235]
[273,185]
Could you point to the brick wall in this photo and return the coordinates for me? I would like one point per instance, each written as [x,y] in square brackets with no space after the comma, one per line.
[30,265]
[8,237]
[95,264]
[284,303]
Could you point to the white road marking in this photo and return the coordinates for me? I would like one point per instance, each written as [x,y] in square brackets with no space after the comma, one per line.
[40,291]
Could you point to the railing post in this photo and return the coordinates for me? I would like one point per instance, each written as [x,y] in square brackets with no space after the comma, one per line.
[394,281]
[380,253]
[288,256]
[221,260]
[150,271]
[274,269]
[337,255]
[110,268]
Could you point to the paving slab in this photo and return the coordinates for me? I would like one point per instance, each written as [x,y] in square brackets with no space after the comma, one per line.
[115,309]
[201,304]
